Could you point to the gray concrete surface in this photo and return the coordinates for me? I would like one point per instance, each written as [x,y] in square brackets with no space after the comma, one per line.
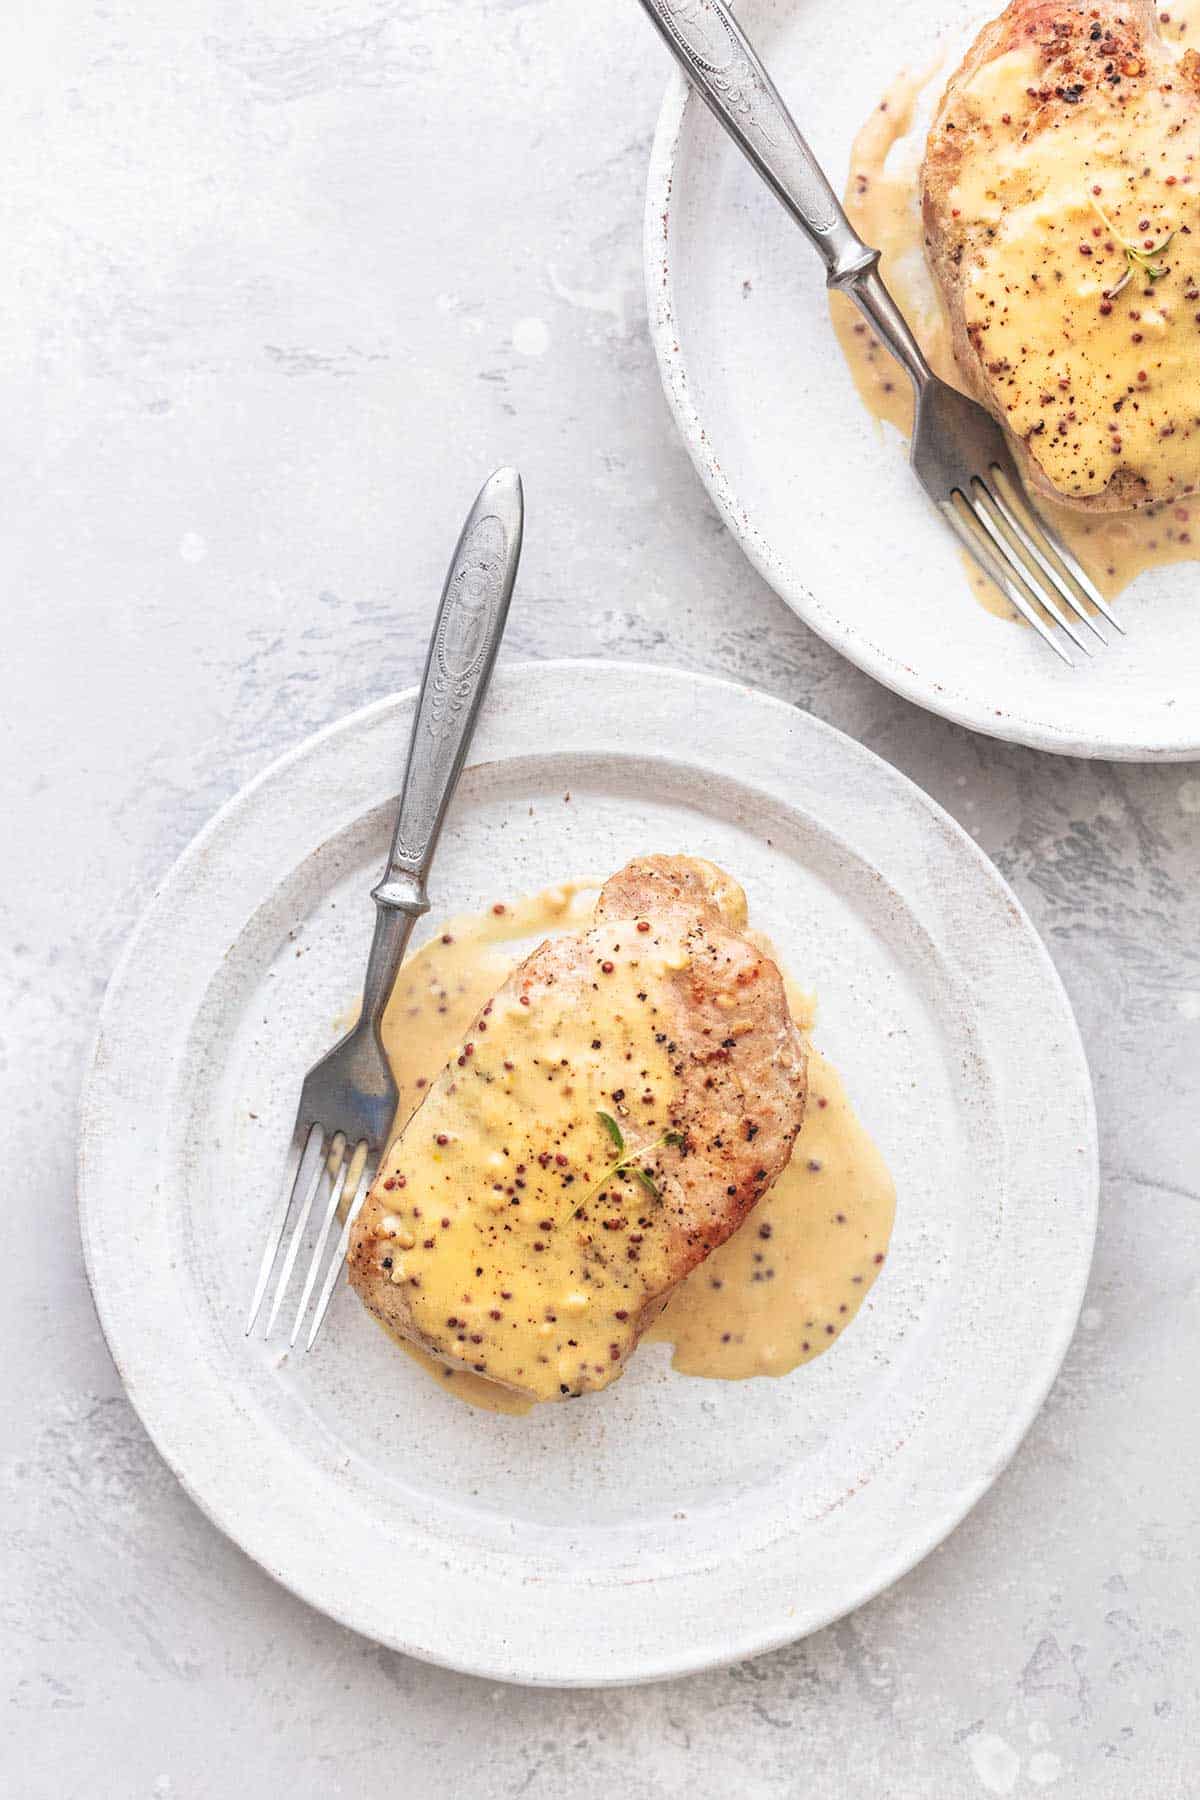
[280,282]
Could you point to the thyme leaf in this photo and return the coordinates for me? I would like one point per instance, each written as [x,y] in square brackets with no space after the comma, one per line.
[628,1162]
[613,1129]
[1139,257]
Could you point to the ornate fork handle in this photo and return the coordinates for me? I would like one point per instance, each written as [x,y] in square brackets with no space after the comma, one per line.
[458,668]
[723,67]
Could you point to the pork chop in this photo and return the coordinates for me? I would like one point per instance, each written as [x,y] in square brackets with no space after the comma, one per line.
[619,1107]
[1061,222]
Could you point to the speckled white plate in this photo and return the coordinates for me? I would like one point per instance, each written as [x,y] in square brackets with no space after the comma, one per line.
[819,496]
[669,1523]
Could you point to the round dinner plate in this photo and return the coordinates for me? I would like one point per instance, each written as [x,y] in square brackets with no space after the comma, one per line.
[669,1523]
[817,493]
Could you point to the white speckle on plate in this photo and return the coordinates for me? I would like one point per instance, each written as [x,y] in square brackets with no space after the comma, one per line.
[531,337]
[996,1763]
[1045,1767]
[192,547]
[1188,1005]
[1090,1318]
[1189,796]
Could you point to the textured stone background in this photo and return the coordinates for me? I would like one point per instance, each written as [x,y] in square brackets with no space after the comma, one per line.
[281,281]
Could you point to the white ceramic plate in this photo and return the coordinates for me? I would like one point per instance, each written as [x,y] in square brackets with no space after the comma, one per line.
[670,1523]
[820,499]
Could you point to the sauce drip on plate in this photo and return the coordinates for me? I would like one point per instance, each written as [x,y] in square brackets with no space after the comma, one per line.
[783,1288]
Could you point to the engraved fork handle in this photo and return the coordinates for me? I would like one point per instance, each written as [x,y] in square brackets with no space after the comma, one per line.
[723,66]
[462,653]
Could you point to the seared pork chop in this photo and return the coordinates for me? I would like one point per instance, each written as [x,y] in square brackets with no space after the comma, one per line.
[1063,225]
[617,1110]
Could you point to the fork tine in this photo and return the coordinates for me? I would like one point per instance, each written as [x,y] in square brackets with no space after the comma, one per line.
[318,1255]
[1070,562]
[1032,534]
[310,1151]
[1026,538]
[301,1226]
[984,507]
[339,1257]
[980,547]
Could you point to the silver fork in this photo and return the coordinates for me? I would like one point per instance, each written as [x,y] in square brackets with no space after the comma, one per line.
[349,1098]
[959,452]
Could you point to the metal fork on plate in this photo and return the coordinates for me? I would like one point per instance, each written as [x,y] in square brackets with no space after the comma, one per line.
[349,1098]
[959,452]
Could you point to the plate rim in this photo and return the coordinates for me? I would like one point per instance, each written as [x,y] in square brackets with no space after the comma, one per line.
[780,575]
[734,1645]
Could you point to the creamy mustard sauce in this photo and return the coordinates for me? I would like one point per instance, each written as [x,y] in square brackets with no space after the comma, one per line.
[883,200]
[1102,379]
[523,1221]
[827,1225]
[445,985]
[437,995]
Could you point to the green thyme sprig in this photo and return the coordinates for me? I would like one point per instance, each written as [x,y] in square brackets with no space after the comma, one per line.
[1139,258]
[630,1160]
